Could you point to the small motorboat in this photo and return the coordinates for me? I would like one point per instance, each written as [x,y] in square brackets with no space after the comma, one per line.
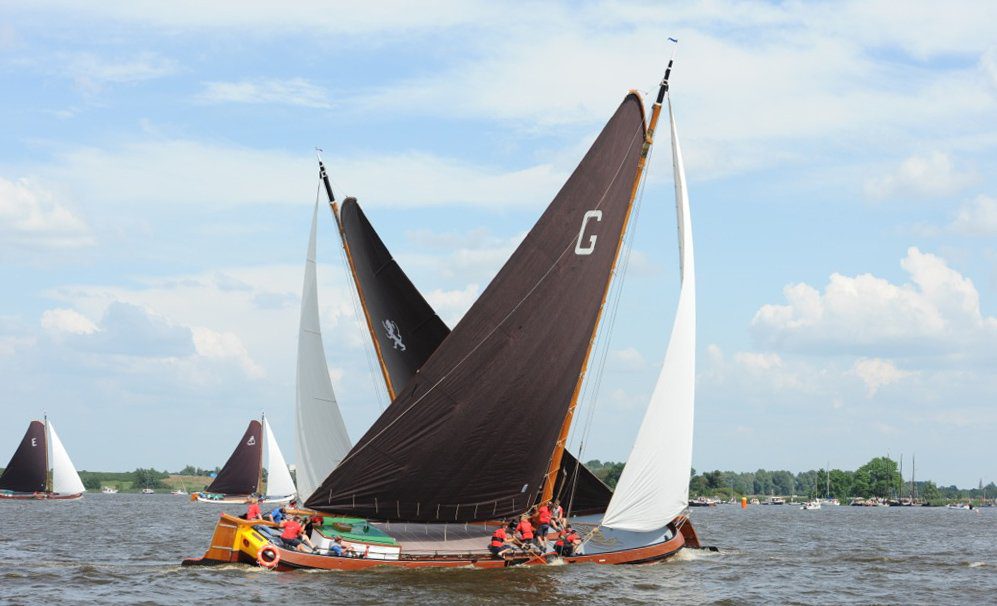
[810,505]
[109,490]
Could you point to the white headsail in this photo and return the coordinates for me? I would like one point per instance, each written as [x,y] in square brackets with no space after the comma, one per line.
[322,437]
[65,480]
[279,483]
[654,485]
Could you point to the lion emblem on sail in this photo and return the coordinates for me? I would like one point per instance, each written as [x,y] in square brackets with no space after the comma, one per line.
[391,330]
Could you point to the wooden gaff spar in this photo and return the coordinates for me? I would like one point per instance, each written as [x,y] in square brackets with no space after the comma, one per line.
[472,437]
[26,475]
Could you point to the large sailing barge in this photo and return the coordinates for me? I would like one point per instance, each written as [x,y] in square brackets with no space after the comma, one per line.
[480,416]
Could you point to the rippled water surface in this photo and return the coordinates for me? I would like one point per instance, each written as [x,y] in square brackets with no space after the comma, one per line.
[126,549]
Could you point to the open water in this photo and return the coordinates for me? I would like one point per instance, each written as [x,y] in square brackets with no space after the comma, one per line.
[126,549]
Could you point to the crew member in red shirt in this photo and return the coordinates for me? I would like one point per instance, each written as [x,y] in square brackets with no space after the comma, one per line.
[293,535]
[524,530]
[499,543]
[253,509]
[543,520]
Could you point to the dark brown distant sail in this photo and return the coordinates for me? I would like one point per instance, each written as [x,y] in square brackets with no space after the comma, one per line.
[472,434]
[28,468]
[405,326]
[241,473]
[391,299]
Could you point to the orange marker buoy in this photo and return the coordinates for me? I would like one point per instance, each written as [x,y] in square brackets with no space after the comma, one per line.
[744,502]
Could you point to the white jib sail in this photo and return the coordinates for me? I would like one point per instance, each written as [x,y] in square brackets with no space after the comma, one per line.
[65,480]
[279,482]
[322,438]
[654,485]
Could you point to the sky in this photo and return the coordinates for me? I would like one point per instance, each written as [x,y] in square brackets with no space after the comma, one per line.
[157,178]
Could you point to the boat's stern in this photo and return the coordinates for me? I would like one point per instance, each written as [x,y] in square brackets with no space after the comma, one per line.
[234,540]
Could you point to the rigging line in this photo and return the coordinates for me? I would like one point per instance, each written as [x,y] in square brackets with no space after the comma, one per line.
[515,308]
[590,393]
[593,389]
[378,394]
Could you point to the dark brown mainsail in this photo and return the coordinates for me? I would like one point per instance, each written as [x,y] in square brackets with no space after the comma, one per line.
[408,330]
[472,434]
[28,468]
[241,473]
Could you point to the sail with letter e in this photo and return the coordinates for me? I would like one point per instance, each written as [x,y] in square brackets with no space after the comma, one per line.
[28,468]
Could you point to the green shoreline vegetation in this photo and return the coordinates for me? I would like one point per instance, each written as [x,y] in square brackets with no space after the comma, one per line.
[878,478]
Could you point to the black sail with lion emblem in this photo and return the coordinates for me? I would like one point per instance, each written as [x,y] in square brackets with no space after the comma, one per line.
[406,327]
[27,469]
[241,473]
[472,434]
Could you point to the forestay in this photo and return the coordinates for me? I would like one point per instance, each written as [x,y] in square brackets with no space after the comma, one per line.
[472,434]
[322,440]
[65,479]
[654,485]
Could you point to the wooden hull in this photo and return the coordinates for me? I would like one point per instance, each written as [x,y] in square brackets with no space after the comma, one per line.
[234,540]
[229,500]
[40,496]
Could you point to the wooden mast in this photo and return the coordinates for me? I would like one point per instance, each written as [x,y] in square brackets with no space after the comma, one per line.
[263,437]
[555,460]
[48,441]
[353,272]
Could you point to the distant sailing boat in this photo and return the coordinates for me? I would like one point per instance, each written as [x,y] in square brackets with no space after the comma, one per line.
[26,475]
[242,475]
[477,433]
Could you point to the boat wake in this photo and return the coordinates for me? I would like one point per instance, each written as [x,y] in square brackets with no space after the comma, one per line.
[692,555]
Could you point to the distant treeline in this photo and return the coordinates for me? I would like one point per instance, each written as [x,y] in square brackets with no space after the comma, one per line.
[880,477]
[190,477]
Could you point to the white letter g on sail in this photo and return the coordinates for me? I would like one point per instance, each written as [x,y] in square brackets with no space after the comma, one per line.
[587,250]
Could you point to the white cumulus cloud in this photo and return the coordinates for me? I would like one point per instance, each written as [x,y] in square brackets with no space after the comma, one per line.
[61,320]
[976,218]
[222,345]
[31,215]
[877,372]
[925,176]
[938,312]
